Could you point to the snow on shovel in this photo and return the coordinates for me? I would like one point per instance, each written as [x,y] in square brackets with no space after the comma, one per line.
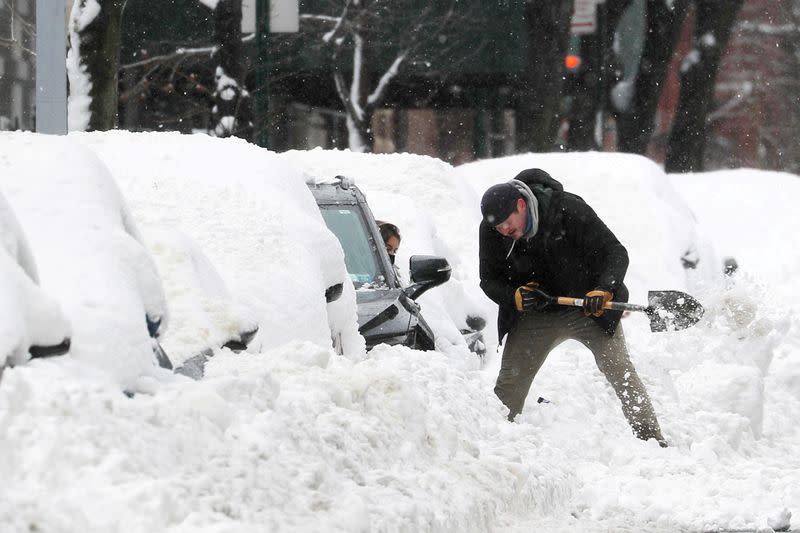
[667,310]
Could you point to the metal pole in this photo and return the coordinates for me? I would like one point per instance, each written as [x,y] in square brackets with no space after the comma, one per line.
[51,67]
[261,103]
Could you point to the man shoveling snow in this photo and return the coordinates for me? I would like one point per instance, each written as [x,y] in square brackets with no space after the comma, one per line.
[536,240]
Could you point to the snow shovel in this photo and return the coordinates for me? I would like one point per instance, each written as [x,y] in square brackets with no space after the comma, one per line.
[667,310]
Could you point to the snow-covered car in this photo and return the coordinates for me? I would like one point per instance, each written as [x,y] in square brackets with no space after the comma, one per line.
[89,254]
[418,195]
[31,322]
[254,219]
[387,310]
[204,316]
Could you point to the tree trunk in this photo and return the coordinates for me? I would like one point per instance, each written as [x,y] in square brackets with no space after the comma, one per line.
[99,43]
[635,124]
[359,134]
[592,91]
[539,112]
[586,100]
[687,137]
[357,106]
[232,106]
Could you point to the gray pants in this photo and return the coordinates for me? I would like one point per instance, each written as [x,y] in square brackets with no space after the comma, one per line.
[535,336]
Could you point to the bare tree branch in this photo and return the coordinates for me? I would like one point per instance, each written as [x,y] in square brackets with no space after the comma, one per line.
[180,54]
[167,58]
[14,41]
[15,45]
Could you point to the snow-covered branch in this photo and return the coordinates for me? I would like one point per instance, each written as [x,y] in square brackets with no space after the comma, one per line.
[361,37]
[180,53]
[768,29]
[741,97]
[166,58]
[341,90]
[331,35]
[320,18]
[380,90]
[356,89]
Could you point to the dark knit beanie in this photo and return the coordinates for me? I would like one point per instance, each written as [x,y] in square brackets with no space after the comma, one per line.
[498,202]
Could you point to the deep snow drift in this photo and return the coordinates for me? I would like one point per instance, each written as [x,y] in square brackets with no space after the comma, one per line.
[292,437]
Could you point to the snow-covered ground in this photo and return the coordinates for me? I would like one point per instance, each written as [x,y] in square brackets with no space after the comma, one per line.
[291,437]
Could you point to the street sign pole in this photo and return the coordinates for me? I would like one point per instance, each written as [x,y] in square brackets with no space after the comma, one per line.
[262,64]
[51,67]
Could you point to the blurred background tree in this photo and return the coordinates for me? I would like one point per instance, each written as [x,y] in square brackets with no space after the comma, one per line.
[94,35]
[676,81]
[18,58]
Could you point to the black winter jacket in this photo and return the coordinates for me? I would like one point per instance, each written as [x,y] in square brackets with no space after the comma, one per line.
[572,253]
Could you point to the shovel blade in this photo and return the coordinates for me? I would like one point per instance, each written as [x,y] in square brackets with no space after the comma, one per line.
[672,310]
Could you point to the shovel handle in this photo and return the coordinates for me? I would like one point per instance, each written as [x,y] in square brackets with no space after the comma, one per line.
[613,306]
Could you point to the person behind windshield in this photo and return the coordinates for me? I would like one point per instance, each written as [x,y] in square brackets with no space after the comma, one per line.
[538,241]
[391,238]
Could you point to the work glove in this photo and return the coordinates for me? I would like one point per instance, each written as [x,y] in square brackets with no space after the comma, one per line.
[594,301]
[530,298]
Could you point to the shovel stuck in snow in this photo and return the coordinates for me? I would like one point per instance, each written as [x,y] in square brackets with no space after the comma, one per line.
[667,310]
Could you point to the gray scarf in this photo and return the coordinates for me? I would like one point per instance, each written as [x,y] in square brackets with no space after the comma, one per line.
[533,211]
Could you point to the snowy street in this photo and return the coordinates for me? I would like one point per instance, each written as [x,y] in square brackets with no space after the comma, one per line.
[290,436]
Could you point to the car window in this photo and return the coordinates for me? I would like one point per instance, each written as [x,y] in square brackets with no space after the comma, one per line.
[359,257]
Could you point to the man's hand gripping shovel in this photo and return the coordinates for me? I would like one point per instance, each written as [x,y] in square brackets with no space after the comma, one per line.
[667,310]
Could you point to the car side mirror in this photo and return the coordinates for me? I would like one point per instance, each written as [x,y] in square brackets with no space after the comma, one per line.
[333,292]
[476,323]
[427,272]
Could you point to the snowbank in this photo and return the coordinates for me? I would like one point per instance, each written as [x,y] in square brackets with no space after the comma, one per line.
[295,438]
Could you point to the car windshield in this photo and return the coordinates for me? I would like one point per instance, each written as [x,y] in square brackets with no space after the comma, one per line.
[359,257]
